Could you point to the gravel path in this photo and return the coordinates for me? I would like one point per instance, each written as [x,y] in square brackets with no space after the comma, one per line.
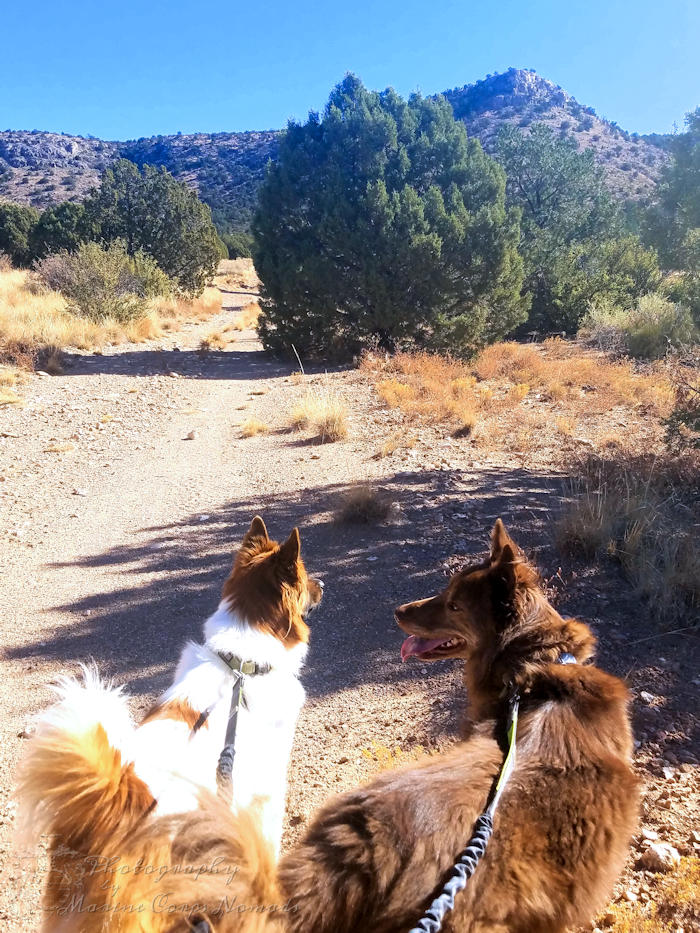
[125,487]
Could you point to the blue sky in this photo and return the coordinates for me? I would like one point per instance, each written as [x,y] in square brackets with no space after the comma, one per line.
[127,69]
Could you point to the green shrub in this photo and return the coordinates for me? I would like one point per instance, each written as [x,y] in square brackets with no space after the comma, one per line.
[151,211]
[239,245]
[104,282]
[572,243]
[381,223]
[16,224]
[63,226]
[654,326]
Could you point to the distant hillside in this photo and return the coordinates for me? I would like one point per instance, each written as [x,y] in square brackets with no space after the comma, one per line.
[631,163]
[226,168]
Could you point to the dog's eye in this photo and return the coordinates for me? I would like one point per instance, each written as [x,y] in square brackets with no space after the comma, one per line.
[453,607]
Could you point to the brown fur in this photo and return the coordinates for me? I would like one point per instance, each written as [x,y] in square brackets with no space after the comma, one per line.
[374,858]
[180,710]
[262,567]
[80,812]
[167,874]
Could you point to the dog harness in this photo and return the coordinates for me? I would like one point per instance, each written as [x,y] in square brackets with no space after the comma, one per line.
[465,866]
[240,669]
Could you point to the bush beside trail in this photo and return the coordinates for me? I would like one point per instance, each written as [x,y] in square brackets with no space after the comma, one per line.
[381,223]
[105,282]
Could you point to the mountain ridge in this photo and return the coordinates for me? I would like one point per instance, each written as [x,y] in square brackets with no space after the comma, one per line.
[43,168]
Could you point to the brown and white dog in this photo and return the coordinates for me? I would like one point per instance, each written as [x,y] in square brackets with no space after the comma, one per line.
[92,777]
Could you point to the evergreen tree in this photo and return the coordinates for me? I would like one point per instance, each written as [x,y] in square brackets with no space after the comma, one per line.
[381,222]
[149,210]
[673,222]
[16,224]
[572,237]
[61,227]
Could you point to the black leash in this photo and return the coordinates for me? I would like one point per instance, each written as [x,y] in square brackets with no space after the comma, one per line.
[224,769]
[465,866]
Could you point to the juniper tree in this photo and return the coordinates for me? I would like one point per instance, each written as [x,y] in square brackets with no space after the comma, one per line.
[381,221]
[572,238]
[149,210]
[16,224]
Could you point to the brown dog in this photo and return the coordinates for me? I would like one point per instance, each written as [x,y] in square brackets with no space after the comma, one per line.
[373,859]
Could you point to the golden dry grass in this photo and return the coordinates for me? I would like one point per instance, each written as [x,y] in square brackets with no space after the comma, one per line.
[36,321]
[636,508]
[385,758]
[492,399]
[252,426]
[675,905]
[247,317]
[8,397]
[323,411]
[396,441]
[11,376]
[364,504]
[217,339]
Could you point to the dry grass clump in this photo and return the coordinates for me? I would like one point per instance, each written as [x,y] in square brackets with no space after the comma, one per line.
[252,426]
[364,505]
[247,317]
[396,394]
[35,321]
[395,441]
[11,376]
[564,370]
[425,385]
[8,397]
[675,904]
[385,758]
[638,509]
[324,411]
[217,340]
[492,397]
[510,362]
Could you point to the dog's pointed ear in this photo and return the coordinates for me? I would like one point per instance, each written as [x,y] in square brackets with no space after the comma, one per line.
[257,530]
[500,539]
[504,581]
[288,554]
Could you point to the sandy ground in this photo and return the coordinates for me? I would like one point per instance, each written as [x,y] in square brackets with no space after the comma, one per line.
[116,549]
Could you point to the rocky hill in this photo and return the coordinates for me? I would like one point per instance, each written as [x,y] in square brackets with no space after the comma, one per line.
[44,168]
[631,163]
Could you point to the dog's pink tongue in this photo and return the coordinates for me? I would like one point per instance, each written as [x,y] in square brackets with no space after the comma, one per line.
[415,647]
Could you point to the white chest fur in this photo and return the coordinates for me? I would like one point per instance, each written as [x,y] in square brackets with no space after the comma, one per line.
[174,762]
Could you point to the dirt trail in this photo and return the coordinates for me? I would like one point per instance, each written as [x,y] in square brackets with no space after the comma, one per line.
[117,532]
[118,528]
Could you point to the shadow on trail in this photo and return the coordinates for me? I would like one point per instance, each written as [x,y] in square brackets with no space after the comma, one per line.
[238,364]
[135,632]
[190,364]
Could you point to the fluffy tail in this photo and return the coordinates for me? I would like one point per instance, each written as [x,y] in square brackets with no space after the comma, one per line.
[207,870]
[76,781]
